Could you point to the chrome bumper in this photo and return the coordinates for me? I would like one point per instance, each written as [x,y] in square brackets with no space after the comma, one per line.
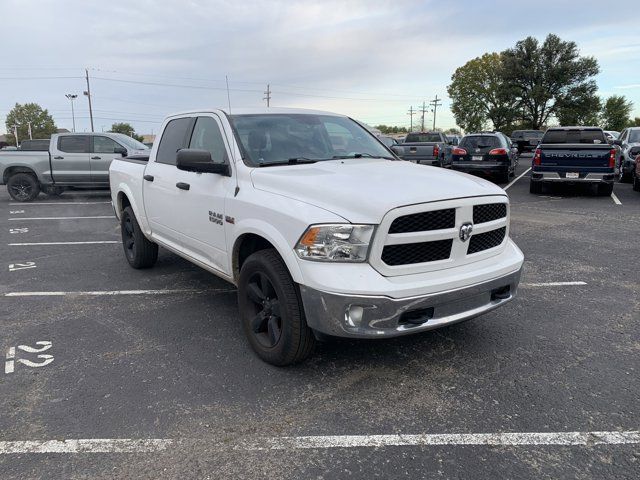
[555,177]
[379,316]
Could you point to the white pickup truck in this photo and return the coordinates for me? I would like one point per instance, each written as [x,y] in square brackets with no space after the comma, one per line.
[323,230]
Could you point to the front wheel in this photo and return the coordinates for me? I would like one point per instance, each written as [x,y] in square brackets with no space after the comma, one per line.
[140,252]
[23,187]
[271,311]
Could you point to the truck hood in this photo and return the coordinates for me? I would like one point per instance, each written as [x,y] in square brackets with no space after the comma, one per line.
[364,190]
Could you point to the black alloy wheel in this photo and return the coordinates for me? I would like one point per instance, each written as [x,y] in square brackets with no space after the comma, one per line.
[128,239]
[266,324]
[23,187]
[139,251]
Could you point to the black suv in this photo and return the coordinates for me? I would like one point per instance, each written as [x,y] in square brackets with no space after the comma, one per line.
[526,140]
[490,154]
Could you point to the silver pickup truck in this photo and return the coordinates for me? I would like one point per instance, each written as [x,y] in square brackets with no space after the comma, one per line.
[426,148]
[73,160]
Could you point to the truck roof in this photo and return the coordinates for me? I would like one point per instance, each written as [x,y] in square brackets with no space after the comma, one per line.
[257,111]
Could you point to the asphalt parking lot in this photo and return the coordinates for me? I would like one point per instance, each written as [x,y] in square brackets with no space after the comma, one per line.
[151,369]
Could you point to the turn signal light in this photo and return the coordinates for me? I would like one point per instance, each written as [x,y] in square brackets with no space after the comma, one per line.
[537,158]
[498,151]
[458,151]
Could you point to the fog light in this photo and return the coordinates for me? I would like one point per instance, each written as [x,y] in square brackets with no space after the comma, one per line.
[353,315]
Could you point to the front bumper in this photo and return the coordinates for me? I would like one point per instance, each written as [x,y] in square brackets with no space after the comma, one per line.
[584,178]
[380,316]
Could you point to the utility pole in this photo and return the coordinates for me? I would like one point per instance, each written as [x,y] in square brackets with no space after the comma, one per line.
[29,127]
[435,103]
[411,113]
[423,110]
[88,95]
[15,133]
[71,98]
[267,94]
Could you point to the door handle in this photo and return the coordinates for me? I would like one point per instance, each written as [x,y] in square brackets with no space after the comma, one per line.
[148,178]
[58,158]
[183,186]
[96,158]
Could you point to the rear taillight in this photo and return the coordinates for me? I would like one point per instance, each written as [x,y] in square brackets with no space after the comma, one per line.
[498,151]
[537,158]
[459,151]
[612,158]
[436,150]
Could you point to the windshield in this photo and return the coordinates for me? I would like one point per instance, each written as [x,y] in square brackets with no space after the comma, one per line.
[131,143]
[277,138]
[634,136]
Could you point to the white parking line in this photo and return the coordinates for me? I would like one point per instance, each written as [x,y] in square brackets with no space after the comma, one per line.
[28,244]
[616,200]
[150,445]
[22,204]
[552,284]
[115,292]
[59,218]
[518,178]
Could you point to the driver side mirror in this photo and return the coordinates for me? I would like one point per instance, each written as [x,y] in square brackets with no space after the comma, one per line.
[398,150]
[120,151]
[199,161]
[617,142]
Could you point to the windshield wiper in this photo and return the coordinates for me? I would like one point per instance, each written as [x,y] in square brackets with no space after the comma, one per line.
[291,161]
[360,155]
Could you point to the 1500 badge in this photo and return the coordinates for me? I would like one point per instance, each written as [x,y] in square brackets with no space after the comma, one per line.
[215,217]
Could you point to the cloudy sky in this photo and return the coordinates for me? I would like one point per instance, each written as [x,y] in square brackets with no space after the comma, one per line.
[366,58]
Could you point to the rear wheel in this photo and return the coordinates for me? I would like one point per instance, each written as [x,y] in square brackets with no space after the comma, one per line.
[23,187]
[636,183]
[605,189]
[626,177]
[140,252]
[535,187]
[503,177]
[271,311]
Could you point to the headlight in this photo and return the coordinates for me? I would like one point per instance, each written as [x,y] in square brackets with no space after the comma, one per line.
[335,243]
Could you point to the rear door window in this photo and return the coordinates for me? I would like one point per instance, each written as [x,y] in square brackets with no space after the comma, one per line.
[74,143]
[174,137]
[593,136]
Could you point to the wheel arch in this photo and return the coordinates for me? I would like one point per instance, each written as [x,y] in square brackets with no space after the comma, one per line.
[10,171]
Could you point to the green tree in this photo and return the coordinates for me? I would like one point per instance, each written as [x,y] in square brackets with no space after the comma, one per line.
[635,122]
[126,129]
[580,107]
[479,95]
[386,129]
[547,76]
[616,113]
[42,124]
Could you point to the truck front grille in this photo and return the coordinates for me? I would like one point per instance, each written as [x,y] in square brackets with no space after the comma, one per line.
[487,240]
[409,253]
[488,212]
[424,221]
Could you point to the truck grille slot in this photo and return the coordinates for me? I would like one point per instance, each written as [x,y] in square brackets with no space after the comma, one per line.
[489,212]
[487,240]
[410,253]
[424,221]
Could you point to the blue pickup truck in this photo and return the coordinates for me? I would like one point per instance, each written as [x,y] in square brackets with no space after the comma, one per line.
[574,155]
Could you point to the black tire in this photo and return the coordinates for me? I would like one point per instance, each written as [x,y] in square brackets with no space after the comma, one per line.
[535,187]
[503,177]
[626,177]
[23,187]
[140,252]
[271,310]
[605,189]
[636,183]
[53,191]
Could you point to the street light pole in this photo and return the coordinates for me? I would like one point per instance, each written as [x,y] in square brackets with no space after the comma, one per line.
[71,98]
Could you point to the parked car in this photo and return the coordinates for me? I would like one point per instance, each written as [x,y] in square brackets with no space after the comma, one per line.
[388,141]
[574,155]
[526,140]
[490,154]
[426,148]
[629,143]
[39,145]
[70,160]
[321,229]
[611,135]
